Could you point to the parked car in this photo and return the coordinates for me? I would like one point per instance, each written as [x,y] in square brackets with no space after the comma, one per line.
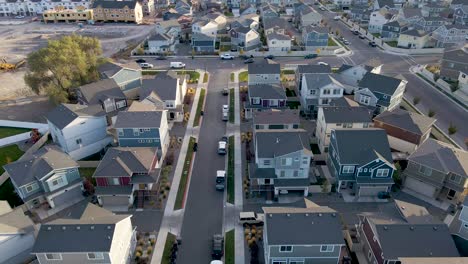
[140,61]
[251,218]
[162,57]
[177,65]
[222,147]
[346,42]
[226,56]
[244,57]
[145,65]
[225,91]
[250,60]
[355,32]
[220,179]
[224,139]
[322,63]
[290,20]
[310,56]
[336,18]
[322,8]
[218,246]
[195,147]
[372,44]
[233,50]
[225,108]
[225,117]
[362,36]
[19,17]
[270,57]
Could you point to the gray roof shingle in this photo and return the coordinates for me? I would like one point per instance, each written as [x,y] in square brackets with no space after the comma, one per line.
[267,91]
[124,162]
[114,4]
[64,114]
[164,87]
[264,68]
[314,68]
[338,114]
[138,119]
[380,83]
[409,121]
[274,144]
[97,92]
[316,81]
[276,116]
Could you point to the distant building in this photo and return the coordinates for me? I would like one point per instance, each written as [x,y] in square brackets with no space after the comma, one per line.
[67,16]
[314,37]
[127,76]
[318,90]
[276,120]
[266,72]
[117,11]
[454,62]
[413,39]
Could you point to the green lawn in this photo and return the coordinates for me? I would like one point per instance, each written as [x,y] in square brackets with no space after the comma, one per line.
[243,76]
[11,131]
[392,43]
[287,72]
[230,171]
[377,35]
[88,174]
[149,72]
[185,173]
[229,255]
[315,149]
[293,104]
[194,75]
[331,42]
[223,48]
[9,154]
[290,92]
[232,76]
[231,105]
[196,120]
[7,192]
[205,77]
[166,258]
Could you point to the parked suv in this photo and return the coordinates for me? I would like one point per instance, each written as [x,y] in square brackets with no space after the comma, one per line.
[251,218]
[218,246]
[220,179]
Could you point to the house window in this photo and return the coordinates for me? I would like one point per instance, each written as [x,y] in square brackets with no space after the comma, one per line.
[326,91]
[382,172]
[327,248]
[325,101]
[286,249]
[136,132]
[296,262]
[365,170]
[147,129]
[115,181]
[348,125]
[364,99]
[53,256]
[425,170]
[282,173]
[279,262]
[31,187]
[57,181]
[79,141]
[336,91]
[267,162]
[121,133]
[312,92]
[255,100]
[286,161]
[455,178]
[348,169]
[365,125]
[120,104]
[305,160]
[273,103]
[95,255]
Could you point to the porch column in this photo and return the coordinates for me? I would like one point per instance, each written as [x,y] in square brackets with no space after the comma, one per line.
[338,188]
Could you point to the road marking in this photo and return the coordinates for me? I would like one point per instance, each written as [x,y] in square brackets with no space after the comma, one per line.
[405,60]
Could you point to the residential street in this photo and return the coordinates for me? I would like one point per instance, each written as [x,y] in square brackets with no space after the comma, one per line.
[203,215]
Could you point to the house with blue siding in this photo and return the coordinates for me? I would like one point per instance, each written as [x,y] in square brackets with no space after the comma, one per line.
[48,178]
[127,76]
[203,43]
[392,29]
[143,129]
[263,97]
[360,159]
[314,37]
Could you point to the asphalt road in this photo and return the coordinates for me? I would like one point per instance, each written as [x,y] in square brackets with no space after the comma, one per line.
[203,215]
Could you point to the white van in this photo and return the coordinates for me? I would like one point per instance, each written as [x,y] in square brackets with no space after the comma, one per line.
[177,65]
[146,65]
[225,116]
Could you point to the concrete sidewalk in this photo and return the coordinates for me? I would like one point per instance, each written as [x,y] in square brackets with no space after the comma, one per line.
[172,220]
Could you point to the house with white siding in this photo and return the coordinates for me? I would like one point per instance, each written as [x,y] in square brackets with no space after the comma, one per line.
[318,90]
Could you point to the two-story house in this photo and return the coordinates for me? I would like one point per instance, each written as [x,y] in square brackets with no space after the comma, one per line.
[128,77]
[380,92]
[276,120]
[318,90]
[343,4]
[462,221]
[168,91]
[405,130]
[124,174]
[161,43]
[387,4]
[360,14]
[79,130]
[203,43]
[245,37]
[117,11]
[360,159]
[450,34]
[309,68]
[413,39]
[404,231]
[274,24]
[282,162]
[265,72]
[409,15]
[18,233]
[143,129]
[268,10]
[433,9]
[391,30]
[437,171]
[314,37]
[105,93]
[170,27]
[263,97]
[336,117]
[378,19]
[460,16]
[454,62]
[99,236]
[308,16]
[302,235]
[48,179]
[350,75]
[278,42]
[205,26]
[429,24]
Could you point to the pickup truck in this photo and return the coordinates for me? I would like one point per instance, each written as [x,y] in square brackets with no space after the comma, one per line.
[251,218]
[226,56]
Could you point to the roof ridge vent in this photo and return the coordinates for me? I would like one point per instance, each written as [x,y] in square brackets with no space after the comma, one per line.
[288,215]
[385,228]
[78,228]
[411,228]
[320,214]
[64,227]
[435,228]
[49,228]
[92,227]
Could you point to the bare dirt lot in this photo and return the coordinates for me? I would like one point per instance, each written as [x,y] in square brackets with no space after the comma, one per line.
[18,40]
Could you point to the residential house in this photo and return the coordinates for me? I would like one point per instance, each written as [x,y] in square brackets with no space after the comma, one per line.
[127,76]
[462,220]
[171,14]
[170,27]
[248,11]
[274,24]
[433,9]
[67,16]
[49,179]
[318,90]
[245,37]
[218,18]
[409,15]
[276,120]
[183,8]
[351,75]
[429,24]
[463,80]
[360,14]
[437,171]
[424,237]
[387,4]
[203,43]
[413,39]
[302,235]
[460,16]
[268,10]
[38,7]
[454,62]
[266,72]
[143,129]
[263,97]
[18,234]
[405,130]
[104,238]
[336,117]
[378,19]
[117,11]
[148,7]
[124,174]
[343,4]
[297,7]
[380,92]
[282,162]
[454,4]
[450,34]
[309,68]
[314,38]
[165,91]
[79,130]
[360,159]
[308,16]
[161,43]
[391,30]
[105,93]
[205,27]
[278,42]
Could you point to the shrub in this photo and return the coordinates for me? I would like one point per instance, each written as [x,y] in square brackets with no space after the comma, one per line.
[431,113]
[452,129]
[416,100]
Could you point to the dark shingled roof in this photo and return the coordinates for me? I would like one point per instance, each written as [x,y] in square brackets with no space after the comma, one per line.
[164,87]
[64,114]
[124,162]
[274,144]
[380,83]
[267,91]
[409,121]
[358,114]
[314,68]
[275,116]
[114,4]
[264,68]
[139,119]
[97,92]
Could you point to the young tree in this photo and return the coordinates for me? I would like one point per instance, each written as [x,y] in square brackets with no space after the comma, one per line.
[62,65]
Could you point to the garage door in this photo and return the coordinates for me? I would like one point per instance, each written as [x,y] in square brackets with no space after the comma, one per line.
[371,190]
[121,200]
[420,187]
[69,196]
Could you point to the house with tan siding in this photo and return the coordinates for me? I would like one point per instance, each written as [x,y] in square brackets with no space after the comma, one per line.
[117,11]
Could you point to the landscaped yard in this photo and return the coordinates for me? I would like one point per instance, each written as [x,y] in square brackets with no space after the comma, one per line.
[11,131]
[205,77]
[88,174]
[231,105]
[193,75]
[149,72]
[7,192]
[166,258]
[232,76]
[287,72]
[185,174]
[9,154]
[377,35]
[392,43]
[196,120]
[290,92]
[331,42]
[293,104]
[229,255]
[230,171]
[243,76]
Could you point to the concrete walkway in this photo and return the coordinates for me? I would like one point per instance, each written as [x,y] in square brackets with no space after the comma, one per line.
[172,220]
